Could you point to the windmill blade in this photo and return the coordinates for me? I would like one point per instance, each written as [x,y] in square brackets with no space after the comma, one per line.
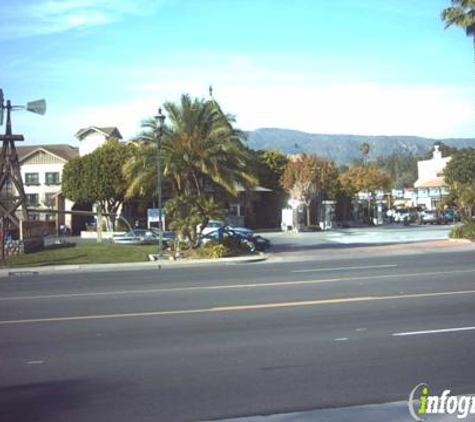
[37,107]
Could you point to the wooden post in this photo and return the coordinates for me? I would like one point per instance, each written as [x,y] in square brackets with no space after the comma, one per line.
[99,223]
[3,241]
[20,227]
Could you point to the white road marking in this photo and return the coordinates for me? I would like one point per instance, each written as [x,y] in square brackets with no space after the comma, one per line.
[35,362]
[342,339]
[364,267]
[236,286]
[443,330]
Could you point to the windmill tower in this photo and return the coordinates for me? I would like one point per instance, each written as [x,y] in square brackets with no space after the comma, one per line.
[12,193]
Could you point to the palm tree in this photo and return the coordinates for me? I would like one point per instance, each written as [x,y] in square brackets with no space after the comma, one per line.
[200,143]
[461,14]
[141,170]
[365,148]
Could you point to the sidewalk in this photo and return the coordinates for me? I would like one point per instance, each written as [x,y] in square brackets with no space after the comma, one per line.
[390,412]
[340,251]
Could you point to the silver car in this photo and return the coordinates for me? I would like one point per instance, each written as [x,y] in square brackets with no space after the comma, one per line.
[142,237]
[429,217]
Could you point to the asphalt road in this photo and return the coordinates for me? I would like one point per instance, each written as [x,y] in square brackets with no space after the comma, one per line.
[187,344]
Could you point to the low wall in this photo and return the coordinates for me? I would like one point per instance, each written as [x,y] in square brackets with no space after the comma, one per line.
[20,247]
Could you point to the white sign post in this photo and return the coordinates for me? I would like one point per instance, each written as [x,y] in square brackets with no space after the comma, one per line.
[153,216]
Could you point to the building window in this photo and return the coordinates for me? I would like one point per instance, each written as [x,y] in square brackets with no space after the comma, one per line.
[235,209]
[32,179]
[33,216]
[52,178]
[50,200]
[32,199]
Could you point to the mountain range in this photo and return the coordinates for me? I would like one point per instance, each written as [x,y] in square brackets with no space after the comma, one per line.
[343,149]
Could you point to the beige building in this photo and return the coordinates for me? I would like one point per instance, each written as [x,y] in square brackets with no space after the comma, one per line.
[41,168]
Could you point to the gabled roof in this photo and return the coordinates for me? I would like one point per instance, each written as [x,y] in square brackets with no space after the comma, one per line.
[63,151]
[108,132]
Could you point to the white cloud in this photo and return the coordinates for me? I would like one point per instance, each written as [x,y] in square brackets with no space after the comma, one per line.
[261,94]
[33,17]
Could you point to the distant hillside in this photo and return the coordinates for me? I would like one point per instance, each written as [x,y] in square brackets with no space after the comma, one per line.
[344,148]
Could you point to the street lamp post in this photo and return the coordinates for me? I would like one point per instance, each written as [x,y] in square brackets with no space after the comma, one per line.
[160,121]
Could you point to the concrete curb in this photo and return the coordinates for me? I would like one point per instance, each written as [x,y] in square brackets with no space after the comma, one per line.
[149,265]
[440,246]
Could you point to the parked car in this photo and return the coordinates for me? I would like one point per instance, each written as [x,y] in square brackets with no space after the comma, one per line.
[451,216]
[251,241]
[213,225]
[142,237]
[429,217]
[401,215]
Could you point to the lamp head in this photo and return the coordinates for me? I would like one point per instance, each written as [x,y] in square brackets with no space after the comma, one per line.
[160,119]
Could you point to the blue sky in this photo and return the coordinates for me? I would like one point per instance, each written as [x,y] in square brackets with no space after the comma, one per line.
[369,67]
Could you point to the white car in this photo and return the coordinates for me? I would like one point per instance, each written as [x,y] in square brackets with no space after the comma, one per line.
[142,237]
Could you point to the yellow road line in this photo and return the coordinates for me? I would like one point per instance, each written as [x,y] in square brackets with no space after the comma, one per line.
[239,307]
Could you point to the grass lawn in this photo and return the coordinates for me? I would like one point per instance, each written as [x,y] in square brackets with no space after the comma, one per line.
[93,253]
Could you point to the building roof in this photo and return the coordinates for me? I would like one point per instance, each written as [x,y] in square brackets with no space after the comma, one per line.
[64,151]
[108,132]
[438,182]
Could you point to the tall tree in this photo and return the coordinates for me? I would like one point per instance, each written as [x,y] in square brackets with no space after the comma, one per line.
[365,148]
[401,168]
[199,143]
[307,175]
[459,174]
[271,166]
[98,177]
[364,179]
[461,14]
[269,169]
[358,179]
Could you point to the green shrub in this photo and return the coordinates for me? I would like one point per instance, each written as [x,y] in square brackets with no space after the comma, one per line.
[464,231]
[217,251]
[220,249]
[212,249]
[178,245]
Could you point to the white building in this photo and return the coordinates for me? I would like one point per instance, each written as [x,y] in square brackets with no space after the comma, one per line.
[41,168]
[93,137]
[430,184]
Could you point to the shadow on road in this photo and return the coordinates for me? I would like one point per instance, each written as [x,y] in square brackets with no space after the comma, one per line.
[42,401]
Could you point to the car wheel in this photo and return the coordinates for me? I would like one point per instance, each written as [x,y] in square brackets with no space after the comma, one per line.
[250,245]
